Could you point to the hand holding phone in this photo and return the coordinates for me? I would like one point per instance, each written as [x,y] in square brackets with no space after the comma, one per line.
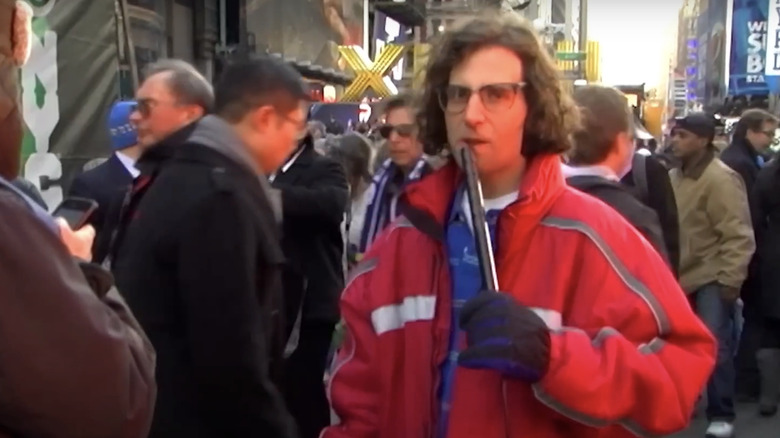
[75,211]
[72,216]
[78,242]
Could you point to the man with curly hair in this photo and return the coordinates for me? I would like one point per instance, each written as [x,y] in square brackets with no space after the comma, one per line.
[590,337]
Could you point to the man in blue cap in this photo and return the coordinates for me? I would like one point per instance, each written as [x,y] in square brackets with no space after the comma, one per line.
[107,183]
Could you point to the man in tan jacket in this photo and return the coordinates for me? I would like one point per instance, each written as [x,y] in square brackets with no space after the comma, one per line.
[716,244]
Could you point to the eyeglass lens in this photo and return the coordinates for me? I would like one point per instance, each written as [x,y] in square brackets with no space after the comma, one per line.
[495,97]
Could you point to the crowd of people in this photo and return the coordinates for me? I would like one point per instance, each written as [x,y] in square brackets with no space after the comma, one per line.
[239,248]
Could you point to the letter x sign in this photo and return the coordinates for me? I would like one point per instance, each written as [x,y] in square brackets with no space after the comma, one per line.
[371,74]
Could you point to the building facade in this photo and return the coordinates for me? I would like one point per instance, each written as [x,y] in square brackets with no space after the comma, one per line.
[210,33]
[182,29]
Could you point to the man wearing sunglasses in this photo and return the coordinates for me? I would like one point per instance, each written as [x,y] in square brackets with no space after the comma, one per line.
[173,95]
[405,163]
[198,257]
[590,334]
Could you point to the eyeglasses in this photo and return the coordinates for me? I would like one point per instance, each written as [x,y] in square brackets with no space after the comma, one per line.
[495,97]
[404,130]
[146,105]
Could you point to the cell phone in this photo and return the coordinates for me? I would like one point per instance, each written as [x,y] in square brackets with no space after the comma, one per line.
[76,211]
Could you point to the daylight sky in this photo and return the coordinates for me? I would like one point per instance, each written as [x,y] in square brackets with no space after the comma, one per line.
[635,36]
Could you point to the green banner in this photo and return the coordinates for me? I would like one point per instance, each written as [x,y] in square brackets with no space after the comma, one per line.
[68,85]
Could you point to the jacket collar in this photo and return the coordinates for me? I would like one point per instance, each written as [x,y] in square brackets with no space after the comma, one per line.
[592,170]
[161,152]
[695,170]
[746,147]
[303,155]
[541,185]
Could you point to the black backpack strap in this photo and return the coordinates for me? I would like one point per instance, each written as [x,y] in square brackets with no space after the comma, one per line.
[639,171]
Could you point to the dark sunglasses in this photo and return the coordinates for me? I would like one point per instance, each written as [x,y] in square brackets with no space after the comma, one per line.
[495,97]
[404,130]
[144,106]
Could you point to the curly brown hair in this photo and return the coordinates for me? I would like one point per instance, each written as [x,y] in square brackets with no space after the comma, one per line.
[552,115]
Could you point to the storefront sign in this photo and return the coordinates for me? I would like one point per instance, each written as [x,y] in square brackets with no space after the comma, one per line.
[371,74]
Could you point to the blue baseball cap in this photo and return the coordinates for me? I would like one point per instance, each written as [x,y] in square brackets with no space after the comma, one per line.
[123,133]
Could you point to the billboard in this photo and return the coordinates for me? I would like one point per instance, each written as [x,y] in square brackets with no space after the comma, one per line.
[702,36]
[307,30]
[716,51]
[68,85]
[773,39]
[748,50]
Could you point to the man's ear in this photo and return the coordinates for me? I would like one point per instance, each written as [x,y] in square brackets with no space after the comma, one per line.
[262,118]
[623,139]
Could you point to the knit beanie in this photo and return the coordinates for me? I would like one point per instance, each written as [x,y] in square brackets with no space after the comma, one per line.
[123,133]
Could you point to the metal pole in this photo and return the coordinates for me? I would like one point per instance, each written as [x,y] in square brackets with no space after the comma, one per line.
[125,16]
[568,18]
[223,22]
[583,42]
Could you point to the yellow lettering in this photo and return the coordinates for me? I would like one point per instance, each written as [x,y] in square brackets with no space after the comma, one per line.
[371,74]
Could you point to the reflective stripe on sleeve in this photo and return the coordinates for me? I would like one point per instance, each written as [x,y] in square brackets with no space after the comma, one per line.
[396,316]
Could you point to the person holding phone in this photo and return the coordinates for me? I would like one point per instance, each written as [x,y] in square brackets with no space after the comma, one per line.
[589,333]
[75,363]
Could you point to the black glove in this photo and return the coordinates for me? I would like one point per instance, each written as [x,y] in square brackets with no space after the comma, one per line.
[504,336]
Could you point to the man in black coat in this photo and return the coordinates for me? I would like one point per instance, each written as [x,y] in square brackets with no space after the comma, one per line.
[753,134]
[107,183]
[766,216]
[314,196]
[199,261]
[602,153]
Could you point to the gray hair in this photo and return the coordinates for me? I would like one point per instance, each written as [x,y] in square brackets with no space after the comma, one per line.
[186,82]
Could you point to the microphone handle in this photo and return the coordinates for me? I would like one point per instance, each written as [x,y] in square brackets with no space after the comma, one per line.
[487,262]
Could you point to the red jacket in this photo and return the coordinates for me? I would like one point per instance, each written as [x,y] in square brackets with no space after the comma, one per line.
[628,356]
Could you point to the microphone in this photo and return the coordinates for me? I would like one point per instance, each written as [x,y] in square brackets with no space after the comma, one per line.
[487,263]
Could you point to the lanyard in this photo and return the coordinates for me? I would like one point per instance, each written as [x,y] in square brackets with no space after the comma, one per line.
[466,277]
